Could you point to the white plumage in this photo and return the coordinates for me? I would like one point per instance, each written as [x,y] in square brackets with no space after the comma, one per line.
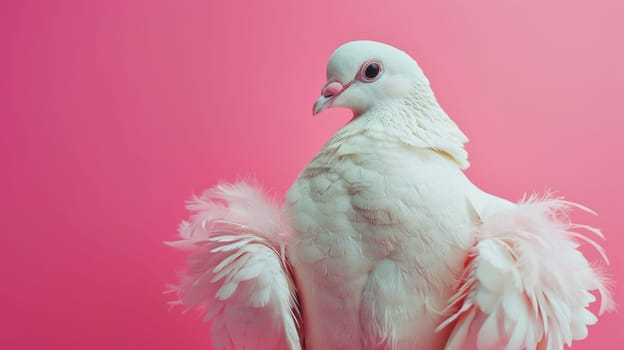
[389,245]
[526,285]
[237,274]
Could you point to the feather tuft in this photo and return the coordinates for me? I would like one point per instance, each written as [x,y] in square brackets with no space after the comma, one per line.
[237,274]
[526,271]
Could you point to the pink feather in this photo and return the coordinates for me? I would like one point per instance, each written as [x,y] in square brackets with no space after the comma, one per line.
[526,284]
[238,275]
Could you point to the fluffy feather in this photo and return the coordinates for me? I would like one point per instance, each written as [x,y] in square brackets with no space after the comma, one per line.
[237,273]
[381,231]
[526,285]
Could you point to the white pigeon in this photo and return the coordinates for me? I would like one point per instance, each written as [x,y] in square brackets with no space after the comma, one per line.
[383,242]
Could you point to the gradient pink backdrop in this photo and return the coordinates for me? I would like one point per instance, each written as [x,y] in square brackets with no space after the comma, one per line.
[115,112]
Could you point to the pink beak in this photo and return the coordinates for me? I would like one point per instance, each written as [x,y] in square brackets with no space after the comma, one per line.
[330,91]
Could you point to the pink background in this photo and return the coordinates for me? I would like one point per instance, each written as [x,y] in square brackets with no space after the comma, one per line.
[115,112]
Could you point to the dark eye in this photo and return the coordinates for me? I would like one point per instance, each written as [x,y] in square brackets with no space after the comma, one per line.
[370,71]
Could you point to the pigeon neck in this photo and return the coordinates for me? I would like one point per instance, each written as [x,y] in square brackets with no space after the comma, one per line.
[417,120]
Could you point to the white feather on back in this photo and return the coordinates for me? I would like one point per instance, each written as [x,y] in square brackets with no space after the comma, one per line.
[526,285]
[237,273]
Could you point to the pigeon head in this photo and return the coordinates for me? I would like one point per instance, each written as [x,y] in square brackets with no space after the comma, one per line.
[364,74]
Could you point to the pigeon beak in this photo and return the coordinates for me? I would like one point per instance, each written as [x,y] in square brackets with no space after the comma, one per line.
[321,104]
[329,93]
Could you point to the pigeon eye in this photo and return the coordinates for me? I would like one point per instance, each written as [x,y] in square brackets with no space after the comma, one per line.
[370,71]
